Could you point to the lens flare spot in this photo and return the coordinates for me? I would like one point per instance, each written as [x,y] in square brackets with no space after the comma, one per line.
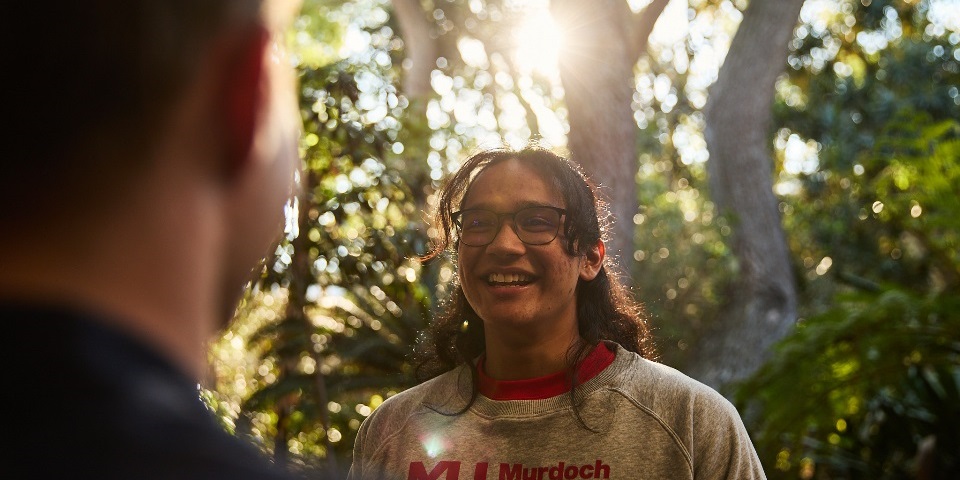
[434,445]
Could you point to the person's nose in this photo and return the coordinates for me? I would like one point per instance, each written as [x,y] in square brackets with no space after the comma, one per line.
[506,241]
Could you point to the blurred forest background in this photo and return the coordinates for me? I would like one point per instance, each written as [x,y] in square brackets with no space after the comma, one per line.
[785,182]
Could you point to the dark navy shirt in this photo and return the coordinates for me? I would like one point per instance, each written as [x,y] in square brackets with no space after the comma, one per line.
[85,401]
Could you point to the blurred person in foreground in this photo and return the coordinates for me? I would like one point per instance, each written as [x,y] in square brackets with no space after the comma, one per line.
[150,147]
[542,365]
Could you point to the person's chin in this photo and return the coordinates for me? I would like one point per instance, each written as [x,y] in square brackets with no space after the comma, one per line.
[508,316]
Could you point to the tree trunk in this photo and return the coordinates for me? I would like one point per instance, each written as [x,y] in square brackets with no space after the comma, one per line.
[603,40]
[300,278]
[420,48]
[762,306]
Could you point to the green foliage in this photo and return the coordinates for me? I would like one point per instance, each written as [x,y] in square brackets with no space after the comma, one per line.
[867,386]
[682,259]
[880,202]
[857,389]
[361,247]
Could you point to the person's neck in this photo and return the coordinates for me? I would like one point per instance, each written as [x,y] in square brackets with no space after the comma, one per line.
[144,266]
[515,360]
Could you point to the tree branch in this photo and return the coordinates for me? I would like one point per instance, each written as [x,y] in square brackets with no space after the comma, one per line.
[642,27]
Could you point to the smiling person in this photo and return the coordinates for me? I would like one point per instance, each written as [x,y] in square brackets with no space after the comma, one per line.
[542,365]
[150,149]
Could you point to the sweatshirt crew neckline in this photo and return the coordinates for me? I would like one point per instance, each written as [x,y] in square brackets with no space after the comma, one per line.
[547,386]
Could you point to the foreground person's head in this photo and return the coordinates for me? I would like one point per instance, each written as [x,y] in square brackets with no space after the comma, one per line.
[153,148]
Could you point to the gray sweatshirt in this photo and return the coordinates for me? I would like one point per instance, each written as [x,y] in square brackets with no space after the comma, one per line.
[646,421]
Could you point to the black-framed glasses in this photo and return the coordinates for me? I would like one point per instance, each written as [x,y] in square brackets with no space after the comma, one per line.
[533,225]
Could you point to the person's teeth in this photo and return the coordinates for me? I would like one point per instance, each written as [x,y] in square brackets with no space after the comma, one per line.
[507,278]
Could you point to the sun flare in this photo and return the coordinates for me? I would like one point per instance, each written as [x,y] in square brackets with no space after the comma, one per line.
[538,43]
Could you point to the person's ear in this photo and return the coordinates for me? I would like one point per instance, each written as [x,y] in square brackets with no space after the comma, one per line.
[592,261]
[242,96]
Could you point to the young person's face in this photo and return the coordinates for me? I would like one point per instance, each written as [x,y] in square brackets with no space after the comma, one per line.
[516,288]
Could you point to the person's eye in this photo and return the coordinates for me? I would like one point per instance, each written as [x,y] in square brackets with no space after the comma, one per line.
[473,223]
[537,222]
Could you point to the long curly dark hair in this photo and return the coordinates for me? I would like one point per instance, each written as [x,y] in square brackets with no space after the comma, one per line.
[606,310]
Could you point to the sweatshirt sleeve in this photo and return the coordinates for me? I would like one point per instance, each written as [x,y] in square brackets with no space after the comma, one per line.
[360,447]
[356,468]
[722,447]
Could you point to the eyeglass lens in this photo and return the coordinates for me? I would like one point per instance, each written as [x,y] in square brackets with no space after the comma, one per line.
[533,225]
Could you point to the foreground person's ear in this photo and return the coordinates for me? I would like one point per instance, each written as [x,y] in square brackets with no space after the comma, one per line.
[242,98]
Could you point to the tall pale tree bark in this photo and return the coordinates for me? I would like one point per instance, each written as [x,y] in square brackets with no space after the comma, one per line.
[420,48]
[762,304]
[603,41]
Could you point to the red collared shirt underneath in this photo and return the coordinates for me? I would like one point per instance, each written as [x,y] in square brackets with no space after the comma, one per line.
[547,386]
